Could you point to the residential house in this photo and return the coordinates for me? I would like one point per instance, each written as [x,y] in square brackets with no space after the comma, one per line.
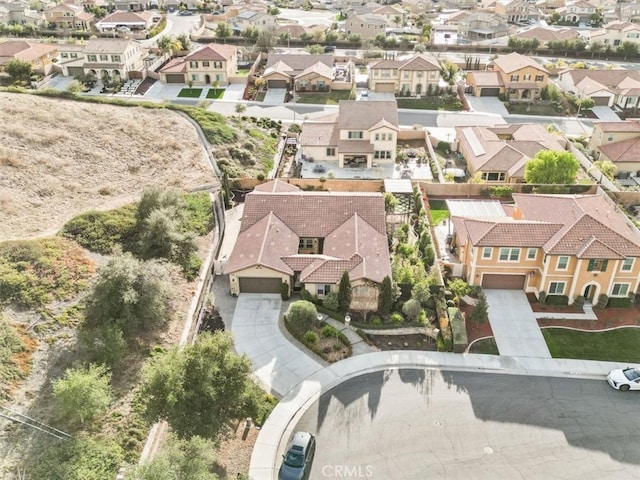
[455,18]
[366,25]
[416,75]
[113,57]
[518,77]
[20,13]
[629,12]
[392,14]
[247,18]
[482,26]
[614,34]
[300,71]
[417,7]
[613,88]
[68,16]
[463,4]
[71,59]
[361,133]
[292,240]
[617,142]
[128,21]
[517,10]
[578,11]
[41,56]
[562,245]
[500,153]
[548,34]
[550,6]
[210,63]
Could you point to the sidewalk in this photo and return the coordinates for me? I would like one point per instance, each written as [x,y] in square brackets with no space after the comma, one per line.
[358,345]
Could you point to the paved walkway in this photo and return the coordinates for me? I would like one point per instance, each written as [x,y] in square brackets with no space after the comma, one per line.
[514,325]
[587,315]
[358,345]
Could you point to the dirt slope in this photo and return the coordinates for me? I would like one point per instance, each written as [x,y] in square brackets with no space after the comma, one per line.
[59,158]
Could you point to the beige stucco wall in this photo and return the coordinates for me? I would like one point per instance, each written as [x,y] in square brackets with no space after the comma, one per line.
[600,138]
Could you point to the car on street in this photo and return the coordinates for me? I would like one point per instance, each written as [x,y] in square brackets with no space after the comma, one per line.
[297,462]
[624,378]
[185,13]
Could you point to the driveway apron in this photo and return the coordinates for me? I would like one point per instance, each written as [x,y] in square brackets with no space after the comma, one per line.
[274,96]
[277,363]
[514,325]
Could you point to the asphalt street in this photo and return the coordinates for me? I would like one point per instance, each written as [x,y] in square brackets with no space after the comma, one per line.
[420,423]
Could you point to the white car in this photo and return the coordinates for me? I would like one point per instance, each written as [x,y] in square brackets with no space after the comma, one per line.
[624,378]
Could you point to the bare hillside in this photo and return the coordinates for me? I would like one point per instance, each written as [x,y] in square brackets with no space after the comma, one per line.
[59,158]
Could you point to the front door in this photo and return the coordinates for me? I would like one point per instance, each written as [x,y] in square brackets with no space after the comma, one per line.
[419,89]
[207,80]
[589,292]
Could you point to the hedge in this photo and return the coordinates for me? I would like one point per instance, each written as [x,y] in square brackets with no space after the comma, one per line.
[619,302]
[458,328]
[557,300]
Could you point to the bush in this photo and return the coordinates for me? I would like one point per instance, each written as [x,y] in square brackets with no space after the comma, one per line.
[331,301]
[310,337]
[603,300]
[377,321]
[412,309]
[542,297]
[579,301]
[396,318]
[302,314]
[101,231]
[329,331]
[619,302]
[557,300]
[284,291]
[480,312]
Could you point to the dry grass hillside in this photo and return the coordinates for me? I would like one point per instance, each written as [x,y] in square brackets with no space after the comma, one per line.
[59,158]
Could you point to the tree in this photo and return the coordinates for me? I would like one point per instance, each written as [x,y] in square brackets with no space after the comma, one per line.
[215,84]
[314,49]
[302,314]
[480,312]
[344,292]
[628,49]
[412,309]
[223,30]
[104,344]
[82,394]
[178,459]
[19,70]
[267,40]
[130,294]
[426,33]
[552,167]
[385,297]
[169,44]
[74,87]
[596,47]
[459,287]
[390,202]
[448,71]
[201,388]
[185,41]
[421,292]
[330,37]
[607,167]
[397,20]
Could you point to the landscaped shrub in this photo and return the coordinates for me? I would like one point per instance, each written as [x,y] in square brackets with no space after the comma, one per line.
[101,231]
[603,300]
[480,312]
[458,329]
[619,302]
[284,291]
[331,301]
[301,315]
[412,309]
[557,300]
[308,296]
[329,331]
[579,301]
[376,321]
[310,337]
[396,318]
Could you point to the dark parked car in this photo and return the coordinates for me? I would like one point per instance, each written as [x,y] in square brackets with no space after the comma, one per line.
[185,13]
[299,457]
[329,49]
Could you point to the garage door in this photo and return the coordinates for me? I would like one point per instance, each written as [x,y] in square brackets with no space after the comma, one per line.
[175,78]
[503,282]
[75,71]
[385,87]
[601,101]
[260,285]
[490,92]
[277,84]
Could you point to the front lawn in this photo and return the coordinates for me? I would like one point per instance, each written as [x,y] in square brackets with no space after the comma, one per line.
[439,211]
[619,345]
[215,93]
[190,92]
[486,345]
[329,98]
[444,102]
[533,109]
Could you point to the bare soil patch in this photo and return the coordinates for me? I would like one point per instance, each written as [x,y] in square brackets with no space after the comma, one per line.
[403,342]
[59,158]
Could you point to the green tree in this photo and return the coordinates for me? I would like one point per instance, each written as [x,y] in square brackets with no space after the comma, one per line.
[330,37]
[412,309]
[130,294]
[19,70]
[267,40]
[178,459]
[201,388]
[421,292]
[385,297]
[104,344]
[628,49]
[314,49]
[185,41]
[169,44]
[302,314]
[223,30]
[459,287]
[596,48]
[390,202]
[448,72]
[480,312]
[83,393]
[344,292]
[215,84]
[552,167]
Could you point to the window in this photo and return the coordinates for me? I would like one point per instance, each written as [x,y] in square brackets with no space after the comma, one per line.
[92,58]
[323,289]
[620,290]
[382,154]
[487,252]
[205,64]
[563,263]
[539,78]
[331,152]
[526,78]
[627,265]
[217,64]
[193,64]
[305,243]
[104,58]
[64,55]
[194,77]
[74,55]
[406,75]
[355,135]
[419,74]
[493,176]
[532,253]
[597,265]
[115,58]
[509,254]
[515,78]
[610,137]
[556,288]
[377,137]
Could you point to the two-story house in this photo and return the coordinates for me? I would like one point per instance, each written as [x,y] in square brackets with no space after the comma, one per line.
[292,239]
[518,77]
[500,153]
[41,56]
[302,72]
[517,10]
[617,142]
[482,26]
[620,88]
[578,10]
[366,25]
[360,134]
[113,57]
[415,75]
[20,12]
[68,16]
[562,245]
[249,18]
[629,12]
[614,34]
[205,66]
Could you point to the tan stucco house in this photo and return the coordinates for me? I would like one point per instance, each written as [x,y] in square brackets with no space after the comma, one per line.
[210,63]
[617,142]
[410,76]
[305,73]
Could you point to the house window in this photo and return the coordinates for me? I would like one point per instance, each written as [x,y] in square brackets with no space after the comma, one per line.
[627,265]
[193,64]
[305,243]
[597,266]
[194,77]
[509,254]
[64,55]
[419,74]
[620,290]
[493,176]
[205,64]
[382,154]
[377,137]
[115,58]
[406,75]
[74,55]
[323,289]
[610,137]
[331,152]
[556,288]
[487,252]
[532,253]
[539,78]
[92,58]
[217,64]
[355,135]
[515,78]
[563,263]
[526,78]
[104,58]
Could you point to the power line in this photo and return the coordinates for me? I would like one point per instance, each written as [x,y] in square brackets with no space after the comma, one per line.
[33,423]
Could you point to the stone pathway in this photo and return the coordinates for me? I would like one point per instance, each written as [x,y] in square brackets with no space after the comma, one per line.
[358,345]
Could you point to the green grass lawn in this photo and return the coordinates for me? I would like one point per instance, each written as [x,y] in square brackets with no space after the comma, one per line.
[614,346]
[445,102]
[533,109]
[215,93]
[439,211]
[190,92]
[260,96]
[329,98]
[487,346]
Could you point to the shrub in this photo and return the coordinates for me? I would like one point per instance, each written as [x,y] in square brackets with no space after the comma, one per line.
[579,301]
[603,300]
[331,301]
[557,300]
[396,318]
[459,287]
[329,331]
[619,302]
[284,291]
[377,321]
[302,314]
[101,231]
[412,309]
[542,297]
[310,337]
[480,312]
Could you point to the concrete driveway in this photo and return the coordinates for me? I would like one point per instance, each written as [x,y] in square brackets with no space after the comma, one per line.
[277,363]
[487,105]
[606,114]
[514,325]
[275,96]
[234,91]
